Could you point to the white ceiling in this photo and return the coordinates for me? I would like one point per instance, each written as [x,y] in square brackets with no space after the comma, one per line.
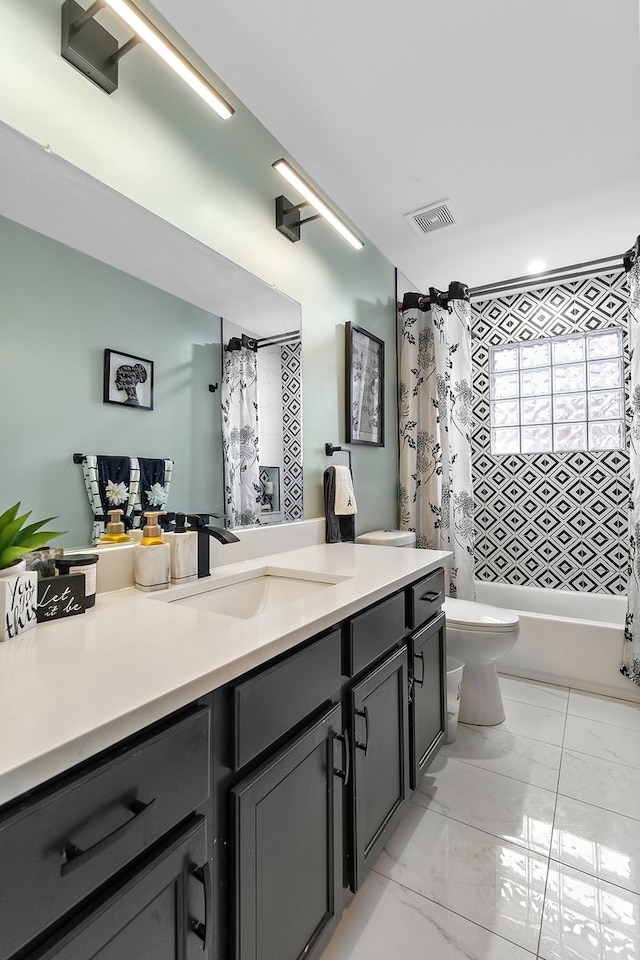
[523,112]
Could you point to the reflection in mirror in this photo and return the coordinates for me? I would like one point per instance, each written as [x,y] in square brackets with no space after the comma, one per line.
[261,425]
[83,269]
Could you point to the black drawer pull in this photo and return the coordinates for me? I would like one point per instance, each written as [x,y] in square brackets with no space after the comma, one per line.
[430,595]
[346,773]
[204,930]
[419,680]
[362,746]
[73,857]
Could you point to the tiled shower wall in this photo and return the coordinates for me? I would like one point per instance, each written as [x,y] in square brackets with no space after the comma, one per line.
[549,519]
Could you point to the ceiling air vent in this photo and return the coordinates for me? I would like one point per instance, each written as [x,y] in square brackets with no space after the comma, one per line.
[433,217]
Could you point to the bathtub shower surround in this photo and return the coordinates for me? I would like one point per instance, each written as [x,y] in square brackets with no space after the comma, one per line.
[631,651]
[435,411]
[555,520]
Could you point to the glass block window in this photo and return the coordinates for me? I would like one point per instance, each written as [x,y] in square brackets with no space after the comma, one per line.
[559,394]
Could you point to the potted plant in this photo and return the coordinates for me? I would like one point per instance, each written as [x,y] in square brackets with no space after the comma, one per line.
[16,540]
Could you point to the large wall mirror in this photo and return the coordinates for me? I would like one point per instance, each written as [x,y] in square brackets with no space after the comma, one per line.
[84,269]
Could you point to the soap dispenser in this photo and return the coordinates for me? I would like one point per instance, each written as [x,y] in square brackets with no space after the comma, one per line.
[115,529]
[152,556]
[184,551]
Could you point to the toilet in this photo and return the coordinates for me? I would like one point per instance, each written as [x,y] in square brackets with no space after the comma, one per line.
[479,635]
[388,538]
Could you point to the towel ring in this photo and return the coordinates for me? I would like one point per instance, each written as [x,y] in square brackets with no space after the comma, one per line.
[330,449]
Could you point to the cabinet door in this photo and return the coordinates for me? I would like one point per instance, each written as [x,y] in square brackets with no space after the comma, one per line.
[427,709]
[379,734]
[288,846]
[161,911]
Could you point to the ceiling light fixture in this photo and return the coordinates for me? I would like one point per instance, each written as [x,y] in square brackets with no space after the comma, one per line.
[537,266]
[95,52]
[288,219]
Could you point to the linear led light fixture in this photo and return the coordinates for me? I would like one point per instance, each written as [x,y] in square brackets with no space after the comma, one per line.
[288,219]
[95,52]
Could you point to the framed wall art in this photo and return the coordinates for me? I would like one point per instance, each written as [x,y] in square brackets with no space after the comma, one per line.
[364,387]
[128,380]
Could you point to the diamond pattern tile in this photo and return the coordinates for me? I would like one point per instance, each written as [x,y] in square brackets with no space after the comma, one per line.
[552,520]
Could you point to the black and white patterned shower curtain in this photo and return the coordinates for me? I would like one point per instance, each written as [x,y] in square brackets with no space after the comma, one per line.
[239,399]
[435,411]
[631,654]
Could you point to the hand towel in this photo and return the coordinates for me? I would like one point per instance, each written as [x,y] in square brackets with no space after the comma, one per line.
[345,500]
[338,529]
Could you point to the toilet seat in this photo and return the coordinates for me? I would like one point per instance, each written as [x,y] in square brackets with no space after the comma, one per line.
[467,615]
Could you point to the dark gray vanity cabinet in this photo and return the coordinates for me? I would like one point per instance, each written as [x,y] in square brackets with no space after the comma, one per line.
[288,845]
[70,848]
[159,911]
[427,702]
[380,739]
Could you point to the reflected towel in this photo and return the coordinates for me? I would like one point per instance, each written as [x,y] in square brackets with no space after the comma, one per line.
[345,498]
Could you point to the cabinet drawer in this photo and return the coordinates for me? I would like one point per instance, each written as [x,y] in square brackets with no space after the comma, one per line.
[425,598]
[270,704]
[374,632]
[56,852]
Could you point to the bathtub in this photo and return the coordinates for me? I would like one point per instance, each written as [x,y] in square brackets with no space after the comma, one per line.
[573,639]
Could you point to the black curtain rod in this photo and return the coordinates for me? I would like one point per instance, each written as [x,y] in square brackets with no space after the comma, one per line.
[569,272]
[278,338]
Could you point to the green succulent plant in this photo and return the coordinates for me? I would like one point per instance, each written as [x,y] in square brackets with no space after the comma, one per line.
[16,539]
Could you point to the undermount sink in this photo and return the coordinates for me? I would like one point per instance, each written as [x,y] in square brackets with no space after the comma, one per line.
[255,594]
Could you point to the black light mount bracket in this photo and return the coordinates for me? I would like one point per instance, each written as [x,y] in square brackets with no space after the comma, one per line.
[288,219]
[89,47]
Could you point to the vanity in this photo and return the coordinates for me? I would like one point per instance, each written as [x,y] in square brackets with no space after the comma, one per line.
[195,777]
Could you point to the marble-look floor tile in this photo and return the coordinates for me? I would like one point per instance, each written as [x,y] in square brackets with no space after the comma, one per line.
[538,694]
[509,809]
[512,756]
[620,713]
[602,740]
[588,919]
[386,921]
[496,884]
[527,720]
[598,842]
[613,786]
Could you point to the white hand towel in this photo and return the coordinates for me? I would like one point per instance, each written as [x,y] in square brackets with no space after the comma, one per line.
[345,502]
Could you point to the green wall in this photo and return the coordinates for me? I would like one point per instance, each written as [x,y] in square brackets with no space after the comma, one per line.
[153,141]
[60,309]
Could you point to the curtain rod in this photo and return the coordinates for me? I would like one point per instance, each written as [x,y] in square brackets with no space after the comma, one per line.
[570,272]
[278,338]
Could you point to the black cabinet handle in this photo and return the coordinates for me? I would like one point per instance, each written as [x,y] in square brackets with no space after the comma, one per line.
[204,930]
[430,595]
[346,773]
[73,857]
[362,746]
[418,680]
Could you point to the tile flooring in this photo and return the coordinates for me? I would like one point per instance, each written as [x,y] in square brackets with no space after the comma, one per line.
[522,841]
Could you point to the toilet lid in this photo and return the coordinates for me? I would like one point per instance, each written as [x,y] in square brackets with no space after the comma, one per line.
[469,615]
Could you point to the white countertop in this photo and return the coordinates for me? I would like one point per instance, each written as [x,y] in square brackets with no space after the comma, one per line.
[71,688]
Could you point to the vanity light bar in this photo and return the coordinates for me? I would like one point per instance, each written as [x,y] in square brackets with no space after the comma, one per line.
[150,35]
[289,174]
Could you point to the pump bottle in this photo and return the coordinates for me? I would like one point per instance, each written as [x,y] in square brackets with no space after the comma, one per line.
[152,556]
[115,532]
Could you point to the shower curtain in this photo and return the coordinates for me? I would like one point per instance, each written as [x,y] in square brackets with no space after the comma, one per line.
[435,409]
[240,433]
[631,654]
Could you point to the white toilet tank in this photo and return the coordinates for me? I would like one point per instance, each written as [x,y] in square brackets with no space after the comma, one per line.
[388,538]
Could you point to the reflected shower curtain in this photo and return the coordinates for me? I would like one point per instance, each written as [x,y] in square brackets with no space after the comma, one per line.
[239,399]
[631,654]
[435,409]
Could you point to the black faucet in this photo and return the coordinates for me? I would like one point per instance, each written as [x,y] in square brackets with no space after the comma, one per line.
[197,522]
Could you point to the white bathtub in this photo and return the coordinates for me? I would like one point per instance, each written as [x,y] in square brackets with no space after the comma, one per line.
[574,639]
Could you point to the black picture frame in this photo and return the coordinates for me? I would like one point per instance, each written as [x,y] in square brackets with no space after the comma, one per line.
[364,356]
[128,380]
